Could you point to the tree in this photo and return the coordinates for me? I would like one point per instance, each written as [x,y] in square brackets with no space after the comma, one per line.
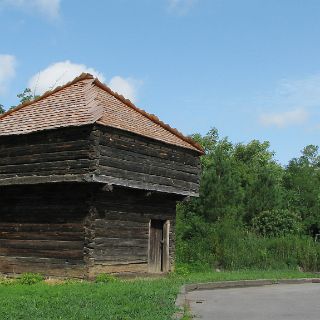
[277,222]
[26,96]
[302,181]
[243,189]
[238,180]
[261,178]
[220,187]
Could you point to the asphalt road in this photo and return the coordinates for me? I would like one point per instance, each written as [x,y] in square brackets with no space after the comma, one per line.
[274,302]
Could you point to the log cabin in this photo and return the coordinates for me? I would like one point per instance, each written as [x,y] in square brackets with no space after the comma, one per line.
[89,184]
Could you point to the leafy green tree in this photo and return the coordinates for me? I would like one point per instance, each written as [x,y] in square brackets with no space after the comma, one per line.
[239,180]
[261,178]
[220,187]
[2,109]
[26,96]
[221,192]
[243,189]
[310,156]
[277,222]
[302,181]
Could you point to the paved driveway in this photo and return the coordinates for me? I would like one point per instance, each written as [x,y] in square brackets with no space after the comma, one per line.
[276,302]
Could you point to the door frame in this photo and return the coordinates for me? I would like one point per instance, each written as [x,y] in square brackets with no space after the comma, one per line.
[164,259]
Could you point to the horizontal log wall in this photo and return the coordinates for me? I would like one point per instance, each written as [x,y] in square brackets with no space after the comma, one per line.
[60,153]
[98,154]
[63,229]
[121,228]
[67,229]
[134,161]
[42,229]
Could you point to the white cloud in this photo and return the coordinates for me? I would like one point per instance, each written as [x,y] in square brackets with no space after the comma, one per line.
[62,72]
[128,87]
[7,71]
[48,8]
[292,102]
[58,74]
[284,119]
[181,7]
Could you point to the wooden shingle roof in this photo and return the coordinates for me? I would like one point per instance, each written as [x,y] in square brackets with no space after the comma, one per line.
[86,100]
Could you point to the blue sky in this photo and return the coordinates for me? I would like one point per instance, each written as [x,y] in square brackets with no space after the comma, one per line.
[251,68]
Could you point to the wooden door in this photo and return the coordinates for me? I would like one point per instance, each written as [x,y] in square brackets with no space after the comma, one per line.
[158,246]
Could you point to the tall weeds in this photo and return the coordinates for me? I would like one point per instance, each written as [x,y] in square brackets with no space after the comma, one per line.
[227,244]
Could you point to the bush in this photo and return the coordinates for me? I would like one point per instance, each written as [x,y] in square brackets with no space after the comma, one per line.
[194,244]
[227,244]
[277,222]
[5,280]
[30,278]
[182,270]
[105,278]
[256,252]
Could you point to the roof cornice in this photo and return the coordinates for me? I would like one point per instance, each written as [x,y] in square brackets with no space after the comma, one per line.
[152,117]
[127,102]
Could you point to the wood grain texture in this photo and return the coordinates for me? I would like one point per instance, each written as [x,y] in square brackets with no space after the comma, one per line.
[155,246]
[98,154]
[82,198]
[46,266]
[42,229]
[36,156]
[138,162]
[121,227]
[68,224]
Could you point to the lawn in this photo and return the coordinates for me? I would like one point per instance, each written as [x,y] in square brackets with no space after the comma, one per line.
[124,299]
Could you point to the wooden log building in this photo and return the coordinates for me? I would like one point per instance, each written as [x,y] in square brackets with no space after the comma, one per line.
[89,184]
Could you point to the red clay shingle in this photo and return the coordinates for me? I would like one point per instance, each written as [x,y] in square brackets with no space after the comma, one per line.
[86,100]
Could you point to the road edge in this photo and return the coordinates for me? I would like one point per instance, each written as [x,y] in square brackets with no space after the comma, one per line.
[181,301]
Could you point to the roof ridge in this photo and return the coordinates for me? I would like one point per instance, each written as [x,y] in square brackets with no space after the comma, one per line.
[127,102]
[151,117]
[83,76]
[93,106]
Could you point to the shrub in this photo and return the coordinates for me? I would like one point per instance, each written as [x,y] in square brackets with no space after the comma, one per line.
[30,278]
[5,280]
[182,270]
[194,244]
[229,245]
[277,222]
[105,278]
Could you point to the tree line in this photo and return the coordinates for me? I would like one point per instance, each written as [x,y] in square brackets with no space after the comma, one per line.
[252,211]
[245,181]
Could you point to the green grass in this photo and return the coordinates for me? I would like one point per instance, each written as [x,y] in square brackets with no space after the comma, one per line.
[136,299]
[245,275]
